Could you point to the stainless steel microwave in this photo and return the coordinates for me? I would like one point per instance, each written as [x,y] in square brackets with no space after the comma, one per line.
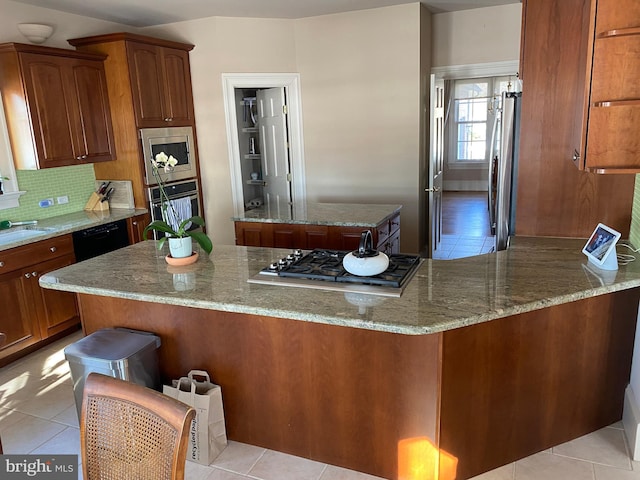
[176,141]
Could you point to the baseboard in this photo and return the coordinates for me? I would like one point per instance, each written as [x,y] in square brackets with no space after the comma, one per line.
[631,422]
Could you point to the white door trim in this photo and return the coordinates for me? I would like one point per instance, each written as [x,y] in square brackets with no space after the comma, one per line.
[291,84]
[477,70]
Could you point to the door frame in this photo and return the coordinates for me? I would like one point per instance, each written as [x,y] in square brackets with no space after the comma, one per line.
[291,83]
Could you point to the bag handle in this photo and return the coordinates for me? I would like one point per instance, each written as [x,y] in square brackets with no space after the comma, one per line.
[199,373]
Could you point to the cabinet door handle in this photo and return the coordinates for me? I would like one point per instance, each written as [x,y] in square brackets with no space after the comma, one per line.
[53,249]
[34,274]
[1,264]
[434,189]
[27,275]
[576,155]
[135,223]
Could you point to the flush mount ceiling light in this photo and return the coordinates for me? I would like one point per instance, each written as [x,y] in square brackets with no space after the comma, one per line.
[35,32]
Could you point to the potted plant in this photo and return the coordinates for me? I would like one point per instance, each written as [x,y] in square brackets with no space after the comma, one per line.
[175,228]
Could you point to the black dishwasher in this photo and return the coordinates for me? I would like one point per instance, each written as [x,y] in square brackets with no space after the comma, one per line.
[94,241]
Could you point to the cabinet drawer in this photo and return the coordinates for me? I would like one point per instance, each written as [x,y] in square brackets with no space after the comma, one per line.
[383,232]
[21,257]
[394,224]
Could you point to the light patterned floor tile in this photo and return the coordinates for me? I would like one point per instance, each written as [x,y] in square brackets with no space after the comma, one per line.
[238,457]
[337,473]
[218,474]
[66,442]
[506,472]
[68,417]
[605,446]
[280,466]
[603,472]
[50,401]
[195,471]
[545,466]
[28,434]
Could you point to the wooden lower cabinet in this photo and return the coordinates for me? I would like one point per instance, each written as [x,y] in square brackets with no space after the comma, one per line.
[386,236]
[32,314]
[18,324]
[480,396]
[56,311]
[136,226]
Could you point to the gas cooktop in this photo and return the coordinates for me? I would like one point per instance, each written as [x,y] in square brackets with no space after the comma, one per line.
[323,269]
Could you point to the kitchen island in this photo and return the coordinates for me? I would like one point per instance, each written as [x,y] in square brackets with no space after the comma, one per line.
[336,226]
[481,361]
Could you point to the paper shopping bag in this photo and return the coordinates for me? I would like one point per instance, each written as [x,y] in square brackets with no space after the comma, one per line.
[207,436]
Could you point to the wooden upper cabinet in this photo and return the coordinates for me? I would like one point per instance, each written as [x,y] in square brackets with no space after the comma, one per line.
[161,85]
[612,144]
[148,80]
[57,106]
[553,197]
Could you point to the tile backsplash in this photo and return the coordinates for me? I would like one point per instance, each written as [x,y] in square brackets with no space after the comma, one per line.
[75,182]
[634,234]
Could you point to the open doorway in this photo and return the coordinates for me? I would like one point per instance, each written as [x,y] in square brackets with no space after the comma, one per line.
[470,117]
[264,134]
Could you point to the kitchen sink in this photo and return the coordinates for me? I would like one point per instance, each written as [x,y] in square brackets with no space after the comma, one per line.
[17,235]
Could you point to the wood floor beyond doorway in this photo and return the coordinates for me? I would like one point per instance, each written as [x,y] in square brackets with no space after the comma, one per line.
[465,225]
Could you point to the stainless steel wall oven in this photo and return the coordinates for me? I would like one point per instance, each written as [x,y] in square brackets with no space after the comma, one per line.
[176,191]
[176,141]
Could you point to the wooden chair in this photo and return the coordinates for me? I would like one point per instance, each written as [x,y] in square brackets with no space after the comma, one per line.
[128,431]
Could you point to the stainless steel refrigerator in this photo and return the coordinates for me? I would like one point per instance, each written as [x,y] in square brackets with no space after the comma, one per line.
[503,169]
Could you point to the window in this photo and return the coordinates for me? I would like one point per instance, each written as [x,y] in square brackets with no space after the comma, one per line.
[474,106]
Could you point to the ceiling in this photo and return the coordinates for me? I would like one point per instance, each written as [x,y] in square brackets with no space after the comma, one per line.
[145,13]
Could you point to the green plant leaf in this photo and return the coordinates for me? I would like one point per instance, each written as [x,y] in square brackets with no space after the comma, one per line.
[203,240]
[197,220]
[160,226]
[161,242]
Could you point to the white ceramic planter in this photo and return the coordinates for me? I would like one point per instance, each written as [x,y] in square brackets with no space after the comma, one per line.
[181,247]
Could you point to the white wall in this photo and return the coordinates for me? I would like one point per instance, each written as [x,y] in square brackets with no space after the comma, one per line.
[480,35]
[226,45]
[360,78]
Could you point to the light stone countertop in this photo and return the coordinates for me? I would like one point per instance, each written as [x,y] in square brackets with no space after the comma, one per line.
[68,223]
[444,294]
[338,214]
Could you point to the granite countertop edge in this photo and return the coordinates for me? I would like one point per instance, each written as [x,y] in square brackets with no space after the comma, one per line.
[50,282]
[69,223]
[329,214]
[535,273]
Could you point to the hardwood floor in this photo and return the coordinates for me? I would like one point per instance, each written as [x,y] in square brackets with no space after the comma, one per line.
[465,226]
[465,213]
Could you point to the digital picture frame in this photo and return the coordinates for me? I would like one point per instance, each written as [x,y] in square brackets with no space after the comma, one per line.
[600,249]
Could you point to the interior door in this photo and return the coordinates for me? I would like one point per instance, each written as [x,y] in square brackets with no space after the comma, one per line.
[276,171]
[436,159]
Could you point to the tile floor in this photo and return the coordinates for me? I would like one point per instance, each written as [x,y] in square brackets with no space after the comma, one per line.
[459,246]
[37,415]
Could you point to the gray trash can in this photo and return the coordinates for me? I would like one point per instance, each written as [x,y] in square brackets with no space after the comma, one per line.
[117,352]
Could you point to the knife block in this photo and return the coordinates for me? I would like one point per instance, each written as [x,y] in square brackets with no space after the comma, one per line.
[95,204]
